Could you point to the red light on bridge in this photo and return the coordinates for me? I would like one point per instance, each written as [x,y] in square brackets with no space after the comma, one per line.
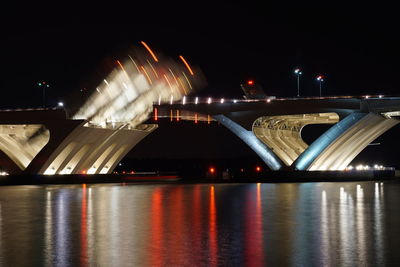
[84,172]
[250,82]
[155,114]
[212,170]
[258,168]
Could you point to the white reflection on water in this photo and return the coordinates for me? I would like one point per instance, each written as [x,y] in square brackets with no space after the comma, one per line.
[360,226]
[63,232]
[90,223]
[325,248]
[1,238]
[48,231]
[379,217]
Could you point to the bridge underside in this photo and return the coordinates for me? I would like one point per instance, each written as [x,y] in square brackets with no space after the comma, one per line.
[336,148]
[282,134]
[281,144]
[74,148]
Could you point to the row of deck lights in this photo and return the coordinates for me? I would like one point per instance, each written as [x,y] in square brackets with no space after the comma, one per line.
[365,167]
[209,101]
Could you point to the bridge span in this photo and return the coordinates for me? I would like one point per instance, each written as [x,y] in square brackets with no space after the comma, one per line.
[46,141]
[272,127]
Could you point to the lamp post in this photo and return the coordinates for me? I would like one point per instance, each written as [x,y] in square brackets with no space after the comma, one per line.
[44,85]
[320,78]
[298,73]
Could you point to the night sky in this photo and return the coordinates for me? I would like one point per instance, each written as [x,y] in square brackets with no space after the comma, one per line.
[356,48]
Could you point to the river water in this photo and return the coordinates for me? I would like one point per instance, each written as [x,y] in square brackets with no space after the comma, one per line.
[286,224]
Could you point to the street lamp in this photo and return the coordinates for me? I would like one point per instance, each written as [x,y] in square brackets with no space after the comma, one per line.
[298,73]
[44,85]
[320,78]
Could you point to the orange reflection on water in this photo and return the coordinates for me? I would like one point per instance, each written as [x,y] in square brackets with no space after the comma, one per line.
[213,229]
[156,228]
[84,237]
[177,227]
[196,219]
[254,233]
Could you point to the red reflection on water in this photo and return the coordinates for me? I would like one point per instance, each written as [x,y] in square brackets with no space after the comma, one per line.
[177,226]
[213,229]
[197,225]
[84,237]
[254,233]
[156,228]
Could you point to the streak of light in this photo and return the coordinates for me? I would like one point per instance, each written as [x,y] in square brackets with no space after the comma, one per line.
[122,67]
[177,115]
[134,63]
[151,66]
[195,118]
[147,75]
[222,100]
[196,101]
[182,85]
[209,100]
[184,100]
[150,51]
[173,75]
[187,65]
[208,119]
[105,81]
[166,78]
[171,100]
[159,100]
[190,85]
[171,115]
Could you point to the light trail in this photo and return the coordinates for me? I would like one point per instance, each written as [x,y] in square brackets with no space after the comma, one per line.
[150,51]
[147,75]
[127,95]
[134,63]
[186,64]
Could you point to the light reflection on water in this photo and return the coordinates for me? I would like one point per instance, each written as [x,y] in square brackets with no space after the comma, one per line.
[288,224]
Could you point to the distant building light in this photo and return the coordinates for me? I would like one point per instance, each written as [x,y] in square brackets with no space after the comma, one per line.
[250,82]
[60,104]
[209,100]
[222,100]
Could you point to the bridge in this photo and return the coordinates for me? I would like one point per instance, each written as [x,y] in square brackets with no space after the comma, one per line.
[272,127]
[46,141]
[113,120]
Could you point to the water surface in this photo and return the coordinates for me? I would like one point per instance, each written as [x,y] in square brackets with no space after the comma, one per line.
[288,224]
